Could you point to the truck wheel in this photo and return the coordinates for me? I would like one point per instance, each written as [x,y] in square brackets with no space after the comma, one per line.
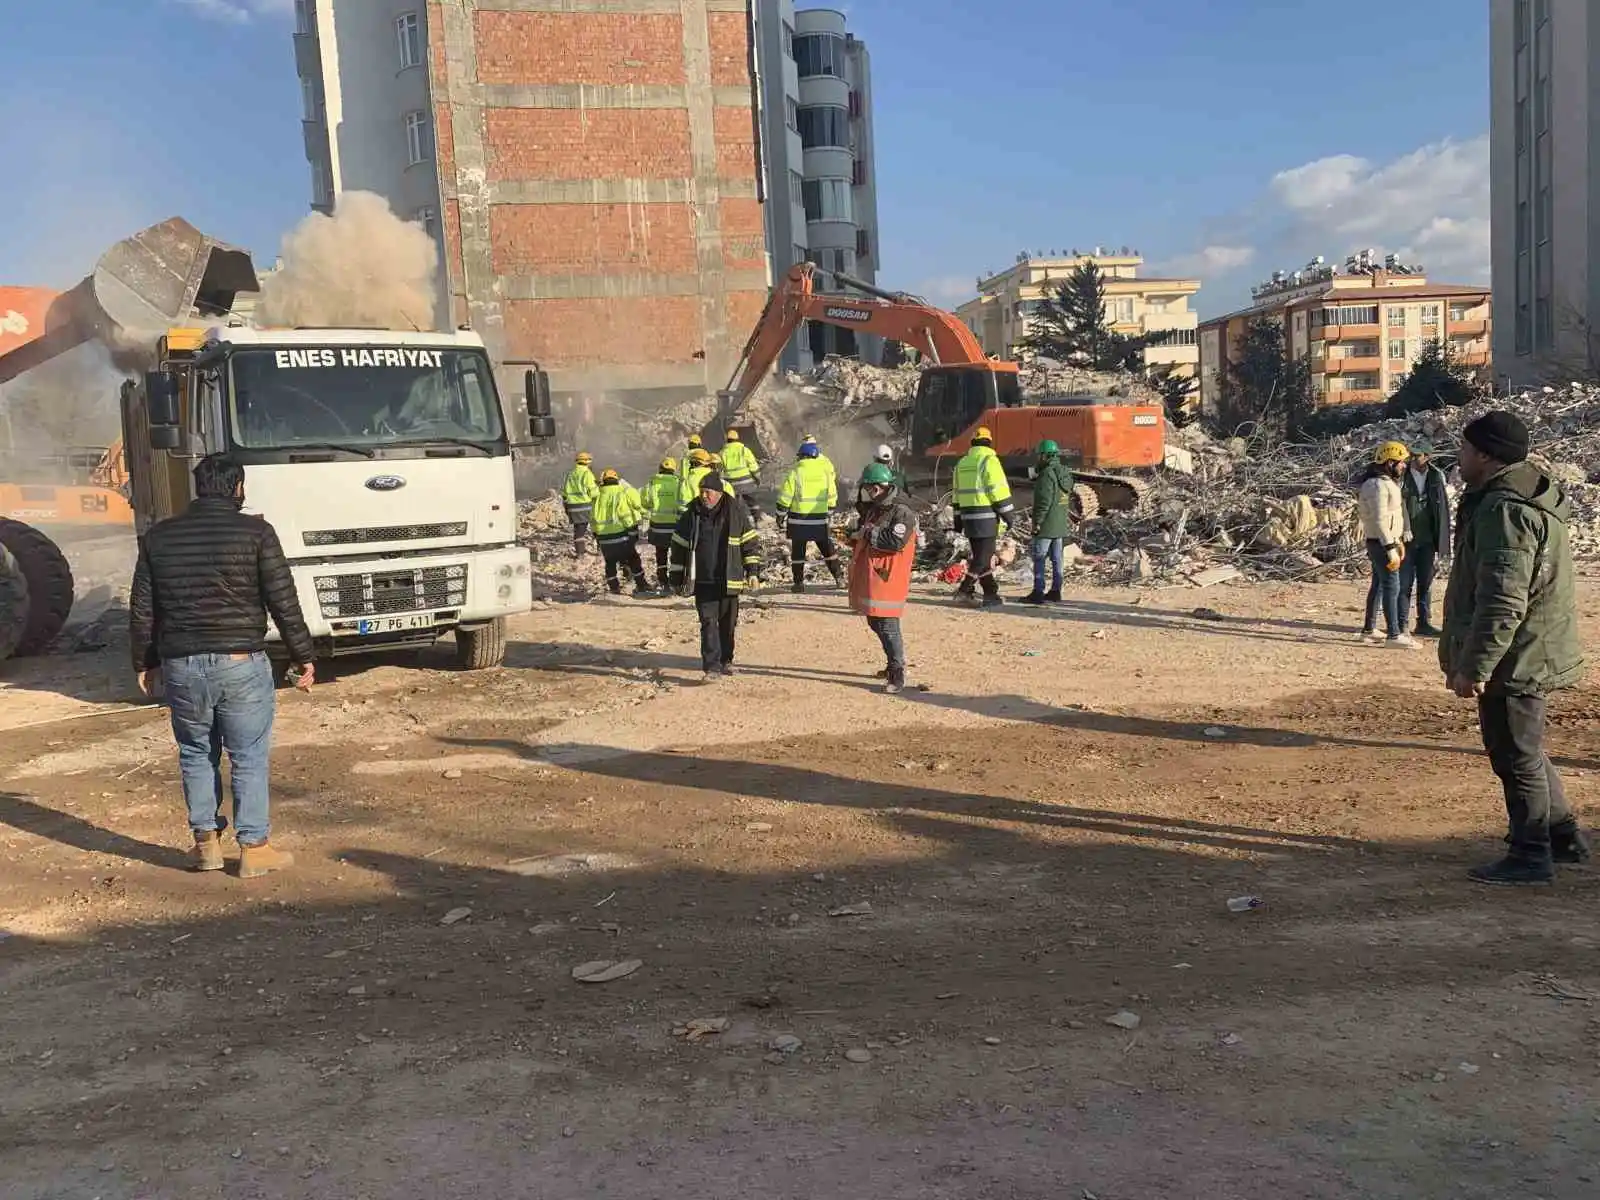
[13,602]
[483,647]
[49,584]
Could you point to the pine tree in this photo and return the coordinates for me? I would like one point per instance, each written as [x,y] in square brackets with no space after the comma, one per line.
[1262,390]
[1071,326]
[1437,379]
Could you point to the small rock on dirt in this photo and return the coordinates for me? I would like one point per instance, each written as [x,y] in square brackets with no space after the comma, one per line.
[604,971]
[785,1043]
[455,915]
[863,909]
[1124,1020]
[701,1027]
[857,1055]
[1231,1039]
[991,1041]
[453,773]
[1215,731]
[758,827]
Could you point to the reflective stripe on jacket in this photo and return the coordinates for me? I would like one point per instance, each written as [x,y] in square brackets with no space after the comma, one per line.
[617,513]
[810,491]
[738,462]
[579,489]
[660,500]
[981,489]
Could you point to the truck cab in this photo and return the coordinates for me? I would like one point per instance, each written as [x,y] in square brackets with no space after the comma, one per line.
[383,459]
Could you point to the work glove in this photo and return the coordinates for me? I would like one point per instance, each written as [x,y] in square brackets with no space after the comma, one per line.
[1395,555]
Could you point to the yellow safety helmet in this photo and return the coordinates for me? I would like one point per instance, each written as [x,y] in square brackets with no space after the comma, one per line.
[695,441]
[584,458]
[669,465]
[983,434]
[714,459]
[609,475]
[1391,452]
[733,436]
[699,457]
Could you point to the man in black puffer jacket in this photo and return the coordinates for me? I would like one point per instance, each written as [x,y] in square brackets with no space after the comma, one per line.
[205,583]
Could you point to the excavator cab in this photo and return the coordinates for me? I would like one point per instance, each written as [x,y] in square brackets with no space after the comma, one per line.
[951,397]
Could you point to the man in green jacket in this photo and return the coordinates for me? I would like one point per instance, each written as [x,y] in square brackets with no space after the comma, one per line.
[1510,637]
[1052,514]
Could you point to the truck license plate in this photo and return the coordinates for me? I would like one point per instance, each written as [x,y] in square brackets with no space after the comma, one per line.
[395,624]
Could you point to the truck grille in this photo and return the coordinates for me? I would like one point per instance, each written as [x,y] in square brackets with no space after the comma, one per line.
[384,533]
[381,593]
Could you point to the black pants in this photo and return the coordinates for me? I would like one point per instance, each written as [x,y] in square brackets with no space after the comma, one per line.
[745,489]
[979,568]
[894,646]
[1513,734]
[624,555]
[804,536]
[1418,571]
[719,617]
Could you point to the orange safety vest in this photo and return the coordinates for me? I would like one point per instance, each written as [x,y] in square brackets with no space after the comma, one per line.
[880,579]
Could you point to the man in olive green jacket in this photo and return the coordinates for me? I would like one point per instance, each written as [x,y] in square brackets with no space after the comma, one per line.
[1052,513]
[1511,637]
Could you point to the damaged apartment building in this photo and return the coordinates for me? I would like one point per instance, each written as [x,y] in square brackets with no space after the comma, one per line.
[604,180]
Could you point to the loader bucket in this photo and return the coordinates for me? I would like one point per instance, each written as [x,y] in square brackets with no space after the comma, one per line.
[141,286]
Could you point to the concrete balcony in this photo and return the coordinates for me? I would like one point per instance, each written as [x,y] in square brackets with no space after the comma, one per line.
[1351,333]
[1352,365]
[1468,328]
[1363,396]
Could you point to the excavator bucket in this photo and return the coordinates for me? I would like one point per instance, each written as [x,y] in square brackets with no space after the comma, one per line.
[140,287]
[716,430]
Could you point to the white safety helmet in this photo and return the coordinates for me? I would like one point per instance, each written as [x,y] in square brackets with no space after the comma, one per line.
[883,454]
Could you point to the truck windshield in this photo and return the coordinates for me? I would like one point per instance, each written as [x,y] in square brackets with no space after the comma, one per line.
[362,396]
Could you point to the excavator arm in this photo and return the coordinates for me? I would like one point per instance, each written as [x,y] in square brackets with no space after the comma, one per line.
[931,332]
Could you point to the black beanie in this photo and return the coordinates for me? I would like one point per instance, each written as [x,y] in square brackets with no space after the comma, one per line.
[1501,435]
[712,483]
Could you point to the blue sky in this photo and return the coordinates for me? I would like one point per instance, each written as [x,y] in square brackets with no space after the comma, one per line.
[1225,138]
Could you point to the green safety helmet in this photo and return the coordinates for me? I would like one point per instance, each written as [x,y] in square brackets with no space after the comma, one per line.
[1048,448]
[878,474]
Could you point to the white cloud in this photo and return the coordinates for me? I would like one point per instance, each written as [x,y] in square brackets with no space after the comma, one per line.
[237,12]
[1429,206]
[947,290]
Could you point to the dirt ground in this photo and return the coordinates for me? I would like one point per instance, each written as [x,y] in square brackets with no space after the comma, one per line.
[1046,837]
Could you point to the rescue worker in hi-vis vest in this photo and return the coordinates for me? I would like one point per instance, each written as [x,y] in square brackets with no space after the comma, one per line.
[807,498]
[983,504]
[578,493]
[884,546]
[617,513]
[741,472]
[661,505]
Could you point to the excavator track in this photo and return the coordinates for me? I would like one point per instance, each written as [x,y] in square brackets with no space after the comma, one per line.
[1114,493]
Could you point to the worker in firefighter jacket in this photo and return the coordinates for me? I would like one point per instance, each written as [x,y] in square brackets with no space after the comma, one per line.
[578,494]
[809,494]
[716,543]
[687,462]
[699,468]
[880,566]
[660,500]
[741,472]
[617,513]
[983,504]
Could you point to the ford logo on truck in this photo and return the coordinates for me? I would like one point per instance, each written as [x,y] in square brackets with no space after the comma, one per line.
[847,314]
[386,483]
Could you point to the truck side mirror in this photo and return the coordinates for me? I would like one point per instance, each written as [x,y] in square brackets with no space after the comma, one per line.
[536,392]
[161,402]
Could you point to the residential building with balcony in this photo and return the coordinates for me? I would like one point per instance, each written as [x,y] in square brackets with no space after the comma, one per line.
[1142,307]
[817,160]
[1544,149]
[1359,328]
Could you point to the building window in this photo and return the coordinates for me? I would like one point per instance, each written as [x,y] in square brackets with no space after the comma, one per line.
[1119,310]
[863,244]
[791,112]
[1458,312]
[308,99]
[1397,318]
[409,30]
[828,200]
[824,125]
[1351,314]
[858,173]
[1397,350]
[1544,333]
[1430,314]
[788,40]
[1173,337]
[302,16]
[419,137]
[819,54]
[797,193]
[321,189]
[428,218]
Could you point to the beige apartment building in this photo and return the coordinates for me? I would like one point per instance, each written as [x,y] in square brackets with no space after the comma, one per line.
[1157,307]
[1361,326]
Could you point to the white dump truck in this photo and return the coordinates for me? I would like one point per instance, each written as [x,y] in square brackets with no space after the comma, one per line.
[383,460]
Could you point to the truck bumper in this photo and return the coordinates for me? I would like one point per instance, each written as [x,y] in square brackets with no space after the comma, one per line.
[352,607]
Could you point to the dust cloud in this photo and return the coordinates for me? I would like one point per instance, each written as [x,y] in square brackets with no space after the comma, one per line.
[362,268]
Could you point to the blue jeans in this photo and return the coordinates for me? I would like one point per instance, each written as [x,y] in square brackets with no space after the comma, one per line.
[223,702]
[1051,548]
[1384,592]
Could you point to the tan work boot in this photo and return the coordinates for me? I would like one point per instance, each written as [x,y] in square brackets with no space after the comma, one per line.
[207,853]
[262,859]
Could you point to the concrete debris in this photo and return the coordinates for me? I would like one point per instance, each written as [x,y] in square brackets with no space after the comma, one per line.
[701,1028]
[1124,1020]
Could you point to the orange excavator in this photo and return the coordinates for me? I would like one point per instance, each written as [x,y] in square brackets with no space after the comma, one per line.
[960,388]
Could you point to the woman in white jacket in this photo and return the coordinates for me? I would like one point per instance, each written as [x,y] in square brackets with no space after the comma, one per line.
[1387,530]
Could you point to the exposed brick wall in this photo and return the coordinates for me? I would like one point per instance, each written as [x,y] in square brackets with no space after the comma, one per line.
[611,331]
[744,310]
[730,48]
[591,239]
[452,257]
[444,140]
[576,47]
[736,142]
[594,143]
[744,234]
